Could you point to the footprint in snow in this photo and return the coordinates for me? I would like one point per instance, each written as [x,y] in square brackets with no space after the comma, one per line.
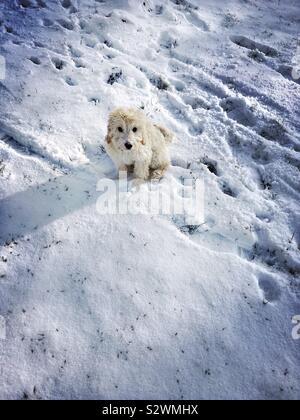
[287,71]
[74,52]
[66,24]
[211,165]
[227,190]
[79,64]
[249,44]
[58,63]
[115,77]
[270,288]
[95,100]
[48,22]
[67,4]
[41,4]
[71,82]
[35,60]
[238,110]
[25,4]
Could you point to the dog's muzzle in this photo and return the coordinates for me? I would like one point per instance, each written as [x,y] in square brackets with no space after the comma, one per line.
[128,146]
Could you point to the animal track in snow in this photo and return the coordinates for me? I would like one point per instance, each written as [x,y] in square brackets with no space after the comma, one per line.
[260,154]
[265,217]
[245,42]
[159,10]
[47,22]
[26,4]
[75,53]
[230,20]
[115,76]
[273,130]
[159,83]
[184,5]
[237,109]
[196,129]
[167,41]
[196,102]
[191,14]
[297,147]
[293,161]
[286,71]
[257,56]
[193,18]
[274,256]
[155,79]
[35,60]
[8,29]
[95,100]
[85,27]
[70,81]
[227,190]
[205,83]
[91,42]
[58,63]
[179,86]
[41,3]
[211,165]
[248,90]
[66,24]
[259,52]
[265,126]
[19,147]
[270,288]
[67,4]
[79,64]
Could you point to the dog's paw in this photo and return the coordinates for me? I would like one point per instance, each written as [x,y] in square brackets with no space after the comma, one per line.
[157,174]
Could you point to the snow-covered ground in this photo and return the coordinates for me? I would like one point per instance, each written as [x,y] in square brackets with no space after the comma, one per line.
[131,307]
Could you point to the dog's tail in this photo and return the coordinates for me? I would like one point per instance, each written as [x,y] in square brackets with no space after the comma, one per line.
[168,135]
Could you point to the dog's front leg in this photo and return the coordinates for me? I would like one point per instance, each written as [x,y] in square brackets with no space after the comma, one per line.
[141,170]
[122,168]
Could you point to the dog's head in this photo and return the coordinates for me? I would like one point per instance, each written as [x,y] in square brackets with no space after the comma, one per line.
[126,129]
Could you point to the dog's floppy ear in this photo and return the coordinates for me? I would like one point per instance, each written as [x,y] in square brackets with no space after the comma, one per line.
[168,135]
[108,139]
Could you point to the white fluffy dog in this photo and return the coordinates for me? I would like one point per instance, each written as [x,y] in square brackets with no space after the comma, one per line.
[133,141]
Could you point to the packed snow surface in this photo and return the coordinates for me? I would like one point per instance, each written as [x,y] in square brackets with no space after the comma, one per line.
[143,306]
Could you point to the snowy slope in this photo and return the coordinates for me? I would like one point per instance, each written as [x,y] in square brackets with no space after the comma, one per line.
[143,306]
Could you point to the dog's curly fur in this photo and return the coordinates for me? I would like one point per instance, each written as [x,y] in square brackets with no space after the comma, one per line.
[134,141]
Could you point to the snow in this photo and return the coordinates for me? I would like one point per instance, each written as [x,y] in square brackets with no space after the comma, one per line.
[144,306]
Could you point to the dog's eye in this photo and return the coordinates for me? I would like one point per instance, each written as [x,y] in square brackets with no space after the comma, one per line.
[134,129]
[120,129]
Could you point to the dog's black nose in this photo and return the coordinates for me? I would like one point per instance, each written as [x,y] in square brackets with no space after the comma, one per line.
[128,146]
